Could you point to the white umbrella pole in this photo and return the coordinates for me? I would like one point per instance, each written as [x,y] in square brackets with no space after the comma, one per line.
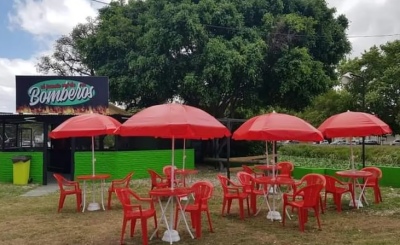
[171,215]
[173,163]
[351,154]
[93,170]
[93,159]
[184,154]
[266,154]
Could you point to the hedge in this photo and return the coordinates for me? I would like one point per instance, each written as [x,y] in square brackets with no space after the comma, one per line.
[307,155]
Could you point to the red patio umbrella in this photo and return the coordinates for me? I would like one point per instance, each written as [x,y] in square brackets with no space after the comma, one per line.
[174,121]
[353,124]
[277,126]
[273,127]
[86,125]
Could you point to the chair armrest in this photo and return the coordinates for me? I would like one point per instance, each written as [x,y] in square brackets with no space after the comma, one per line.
[234,189]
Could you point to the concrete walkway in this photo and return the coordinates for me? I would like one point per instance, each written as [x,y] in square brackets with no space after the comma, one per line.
[42,190]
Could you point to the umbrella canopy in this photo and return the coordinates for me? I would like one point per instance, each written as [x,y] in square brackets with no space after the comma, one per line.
[277,126]
[86,125]
[353,124]
[173,121]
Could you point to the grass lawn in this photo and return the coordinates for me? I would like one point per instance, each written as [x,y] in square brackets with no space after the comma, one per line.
[34,220]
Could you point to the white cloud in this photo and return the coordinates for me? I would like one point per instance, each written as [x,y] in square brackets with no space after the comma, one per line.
[50,17]
[369,18]
[45,20]
[8,70]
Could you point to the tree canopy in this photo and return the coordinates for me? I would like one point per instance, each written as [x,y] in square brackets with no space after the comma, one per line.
[380,71]
[223,56]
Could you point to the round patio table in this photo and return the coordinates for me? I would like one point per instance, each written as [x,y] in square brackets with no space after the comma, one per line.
[273,181]
[353,176]
[186,174]
[93,206]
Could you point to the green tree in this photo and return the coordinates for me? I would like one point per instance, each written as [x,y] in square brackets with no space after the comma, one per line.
[228,57]
[380,78]
[66,59]
[326,105]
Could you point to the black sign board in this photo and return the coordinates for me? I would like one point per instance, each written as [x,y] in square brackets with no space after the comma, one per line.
[61,95]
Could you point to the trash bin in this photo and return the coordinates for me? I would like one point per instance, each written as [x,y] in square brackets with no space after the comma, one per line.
[21,167]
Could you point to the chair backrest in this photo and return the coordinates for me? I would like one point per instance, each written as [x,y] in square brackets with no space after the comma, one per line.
[247,169]
[60,181]
[123,195]
[154,176]
[312,179]
[224,182]
[247,180]
[286,168]
[202,191]
[311,194]
[167,171]
[376,173]
[330,183]
[127,178]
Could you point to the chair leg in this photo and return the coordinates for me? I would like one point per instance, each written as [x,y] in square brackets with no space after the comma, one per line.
[198,223]
[301,218]
[248,206]
[155,224]
[193,219]
[376,194]
[380,194]
[284,215]
[223,206]
[317,216]
[209,220]
[109,200]
[241,211]
[229,206]
[78,203]
[133,224]
[145,240]
[123,230]
[321,204]
[61,202]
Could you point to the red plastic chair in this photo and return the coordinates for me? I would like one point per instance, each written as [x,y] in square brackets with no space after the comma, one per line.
[250,187]
[68,187]
[133,212]
[233,191]
[157,181]
[337,188]
[202,192]
[286,169]
[118,183]
[310,200]
[373,182]
[311,179]
[251,171]
[167,172]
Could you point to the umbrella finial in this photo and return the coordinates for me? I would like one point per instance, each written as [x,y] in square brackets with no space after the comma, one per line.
[273,111]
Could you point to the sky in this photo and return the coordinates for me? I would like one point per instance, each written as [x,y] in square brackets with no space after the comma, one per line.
[29,28]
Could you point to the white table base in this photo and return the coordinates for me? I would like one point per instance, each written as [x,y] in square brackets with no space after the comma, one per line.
[171,235]
[93,206]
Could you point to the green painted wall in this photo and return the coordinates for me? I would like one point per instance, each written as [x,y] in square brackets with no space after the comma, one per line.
[119,163]
[6,166]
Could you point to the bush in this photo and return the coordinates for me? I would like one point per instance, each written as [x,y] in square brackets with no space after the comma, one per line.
[339,156]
